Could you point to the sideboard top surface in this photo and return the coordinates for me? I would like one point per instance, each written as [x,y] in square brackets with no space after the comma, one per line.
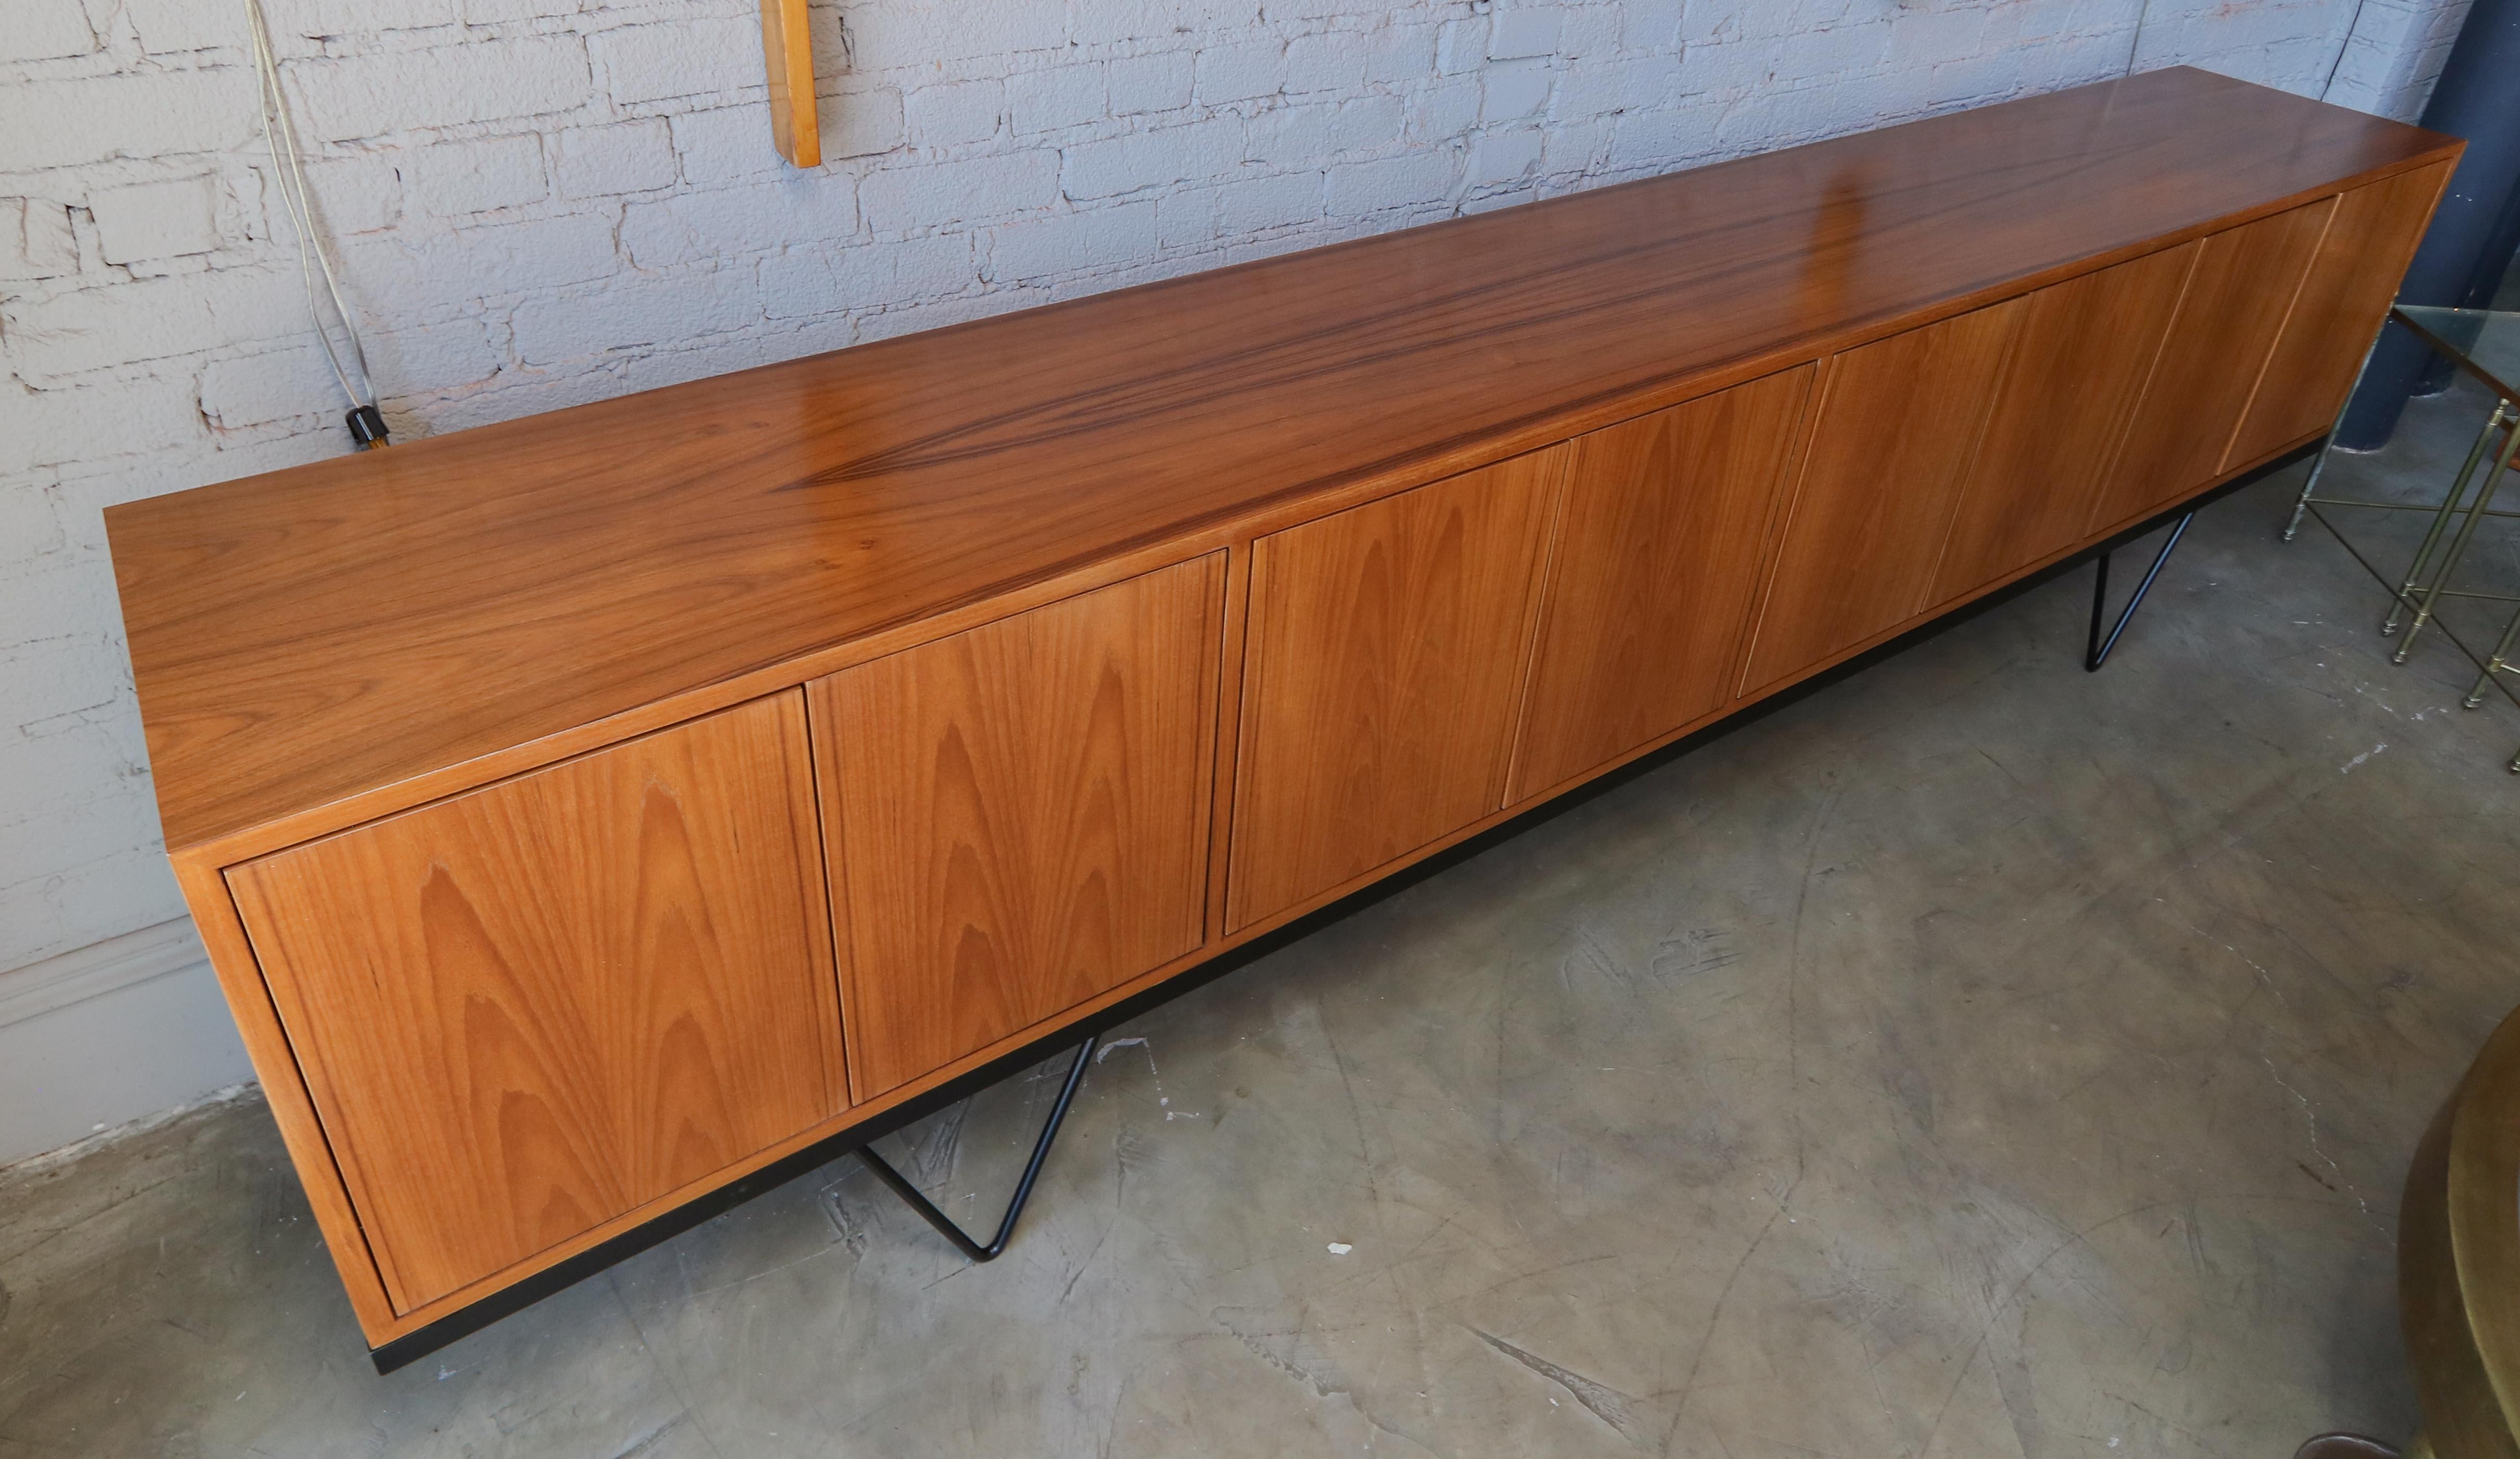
[326,630]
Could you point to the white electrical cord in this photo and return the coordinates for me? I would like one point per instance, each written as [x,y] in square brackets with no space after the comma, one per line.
[279,131]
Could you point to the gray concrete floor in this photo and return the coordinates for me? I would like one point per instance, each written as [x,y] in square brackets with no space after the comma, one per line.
[1978,1058]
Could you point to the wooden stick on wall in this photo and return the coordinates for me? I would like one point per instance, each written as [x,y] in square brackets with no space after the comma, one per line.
[789,55]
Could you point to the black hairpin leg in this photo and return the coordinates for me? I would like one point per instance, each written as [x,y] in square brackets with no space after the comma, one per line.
[908,1193]
[2097,651]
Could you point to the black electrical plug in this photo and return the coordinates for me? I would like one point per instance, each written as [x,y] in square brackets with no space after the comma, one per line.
[367,426]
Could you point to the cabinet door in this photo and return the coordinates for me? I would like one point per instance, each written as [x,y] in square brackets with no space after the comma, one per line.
[1384,661]
[2360,264]
[2243,286]
[533,1007]
[1650,585]
[1021,816]
[1897,423]
[2086,347]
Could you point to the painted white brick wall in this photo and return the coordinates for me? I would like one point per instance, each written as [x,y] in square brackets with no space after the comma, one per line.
[2395,55]
[540,202]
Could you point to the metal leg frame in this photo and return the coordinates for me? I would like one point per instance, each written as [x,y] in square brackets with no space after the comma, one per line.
[2501,662]
[2504,415]
[2429,597]
[2328,447]
[944,1224]
[2414,592]
[2441,516]
[2096,650]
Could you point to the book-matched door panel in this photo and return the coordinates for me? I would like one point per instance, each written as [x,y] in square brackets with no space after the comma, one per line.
[1383,663]
[1650,581]
[2228,318]
[1018,815]
[1898,422]
[532,1007]
[2360,264]
[2086,347]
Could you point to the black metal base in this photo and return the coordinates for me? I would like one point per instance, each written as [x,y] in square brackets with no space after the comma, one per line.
[2096,650]
[911,1196]
[516,1298]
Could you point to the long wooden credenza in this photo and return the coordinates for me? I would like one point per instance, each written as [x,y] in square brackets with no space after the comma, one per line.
[586,813]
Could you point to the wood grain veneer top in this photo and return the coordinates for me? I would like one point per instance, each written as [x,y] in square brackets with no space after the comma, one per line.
[323,631]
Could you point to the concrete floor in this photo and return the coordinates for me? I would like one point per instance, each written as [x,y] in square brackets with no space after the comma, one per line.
[1979,1058]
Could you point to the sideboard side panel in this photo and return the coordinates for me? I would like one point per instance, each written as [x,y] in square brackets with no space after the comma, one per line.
[2361,263]
[1386,654]
[526,1009]
[2243,286]
[1021,813]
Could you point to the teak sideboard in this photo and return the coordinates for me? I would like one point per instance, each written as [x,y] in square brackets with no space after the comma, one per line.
[587,813]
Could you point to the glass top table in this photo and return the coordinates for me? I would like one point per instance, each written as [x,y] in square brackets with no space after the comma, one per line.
[2483,342]
[2485,345]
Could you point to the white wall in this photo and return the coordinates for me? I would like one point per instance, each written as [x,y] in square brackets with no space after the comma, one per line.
[540,202]
[2394,56]
[111,1033]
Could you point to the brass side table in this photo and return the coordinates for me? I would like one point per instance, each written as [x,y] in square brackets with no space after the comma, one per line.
[2485,345]
[2458,1260]
[2458,1271]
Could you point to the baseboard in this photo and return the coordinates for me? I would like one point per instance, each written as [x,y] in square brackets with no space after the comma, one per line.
[102,1036]
[99,968]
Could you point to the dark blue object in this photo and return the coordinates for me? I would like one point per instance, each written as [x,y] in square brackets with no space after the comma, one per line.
[2476,232]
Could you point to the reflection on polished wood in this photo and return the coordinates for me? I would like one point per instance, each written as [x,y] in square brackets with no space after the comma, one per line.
[313,634]
[1020,813]
[508,1045]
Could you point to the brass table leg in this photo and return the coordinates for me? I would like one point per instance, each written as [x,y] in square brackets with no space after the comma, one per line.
[2500,662]
[2328,447]
[2441,517]
[2432,591]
